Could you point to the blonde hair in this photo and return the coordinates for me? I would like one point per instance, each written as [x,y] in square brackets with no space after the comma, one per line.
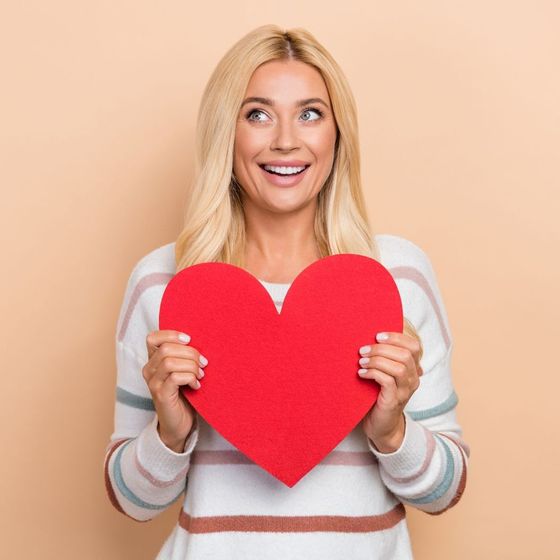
[214,225]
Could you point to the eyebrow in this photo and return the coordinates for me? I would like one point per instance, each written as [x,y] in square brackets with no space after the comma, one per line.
[270,102]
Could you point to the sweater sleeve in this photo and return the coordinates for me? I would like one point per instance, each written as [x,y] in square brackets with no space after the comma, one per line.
[429,470]
[142,475]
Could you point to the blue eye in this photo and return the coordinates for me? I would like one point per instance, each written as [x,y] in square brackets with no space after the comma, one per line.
[251,112]
[306,110]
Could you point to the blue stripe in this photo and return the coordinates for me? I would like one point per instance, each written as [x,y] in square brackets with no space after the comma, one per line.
[136,401]
[444,485]
[445,406]
[125,490]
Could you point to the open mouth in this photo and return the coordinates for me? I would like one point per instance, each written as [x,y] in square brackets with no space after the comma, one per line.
[283,174]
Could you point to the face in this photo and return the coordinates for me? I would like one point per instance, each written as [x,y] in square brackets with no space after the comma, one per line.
[291,125]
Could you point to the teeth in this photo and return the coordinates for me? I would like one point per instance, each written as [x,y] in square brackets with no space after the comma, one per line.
[284,170]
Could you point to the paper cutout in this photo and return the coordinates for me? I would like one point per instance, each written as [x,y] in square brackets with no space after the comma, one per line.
[283,387]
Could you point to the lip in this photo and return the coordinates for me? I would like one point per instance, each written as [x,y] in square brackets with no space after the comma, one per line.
[287,181]
[286,163]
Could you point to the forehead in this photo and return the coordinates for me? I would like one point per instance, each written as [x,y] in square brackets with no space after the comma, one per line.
[285,80]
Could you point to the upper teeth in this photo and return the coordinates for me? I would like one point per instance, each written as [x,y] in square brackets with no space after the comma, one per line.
[284,170]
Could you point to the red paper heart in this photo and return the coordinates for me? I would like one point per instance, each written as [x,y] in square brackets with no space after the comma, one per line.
[283,387]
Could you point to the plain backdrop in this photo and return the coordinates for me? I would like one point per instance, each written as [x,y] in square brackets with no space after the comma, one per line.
[459,127]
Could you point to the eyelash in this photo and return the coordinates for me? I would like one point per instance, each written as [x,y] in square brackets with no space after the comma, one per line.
[318,111]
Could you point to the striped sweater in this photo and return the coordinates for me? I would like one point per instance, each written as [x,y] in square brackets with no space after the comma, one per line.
[351,505]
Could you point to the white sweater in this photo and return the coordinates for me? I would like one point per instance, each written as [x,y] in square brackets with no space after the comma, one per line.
[348,506]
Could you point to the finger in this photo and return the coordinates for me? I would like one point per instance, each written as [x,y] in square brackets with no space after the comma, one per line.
[175,380]
[396,353]
[395,369]
[387,382]
[403,340]
[171,365]
[174,350]
[155,339]
[406,379]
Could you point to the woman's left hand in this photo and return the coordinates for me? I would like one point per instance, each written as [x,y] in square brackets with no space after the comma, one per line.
[394,364]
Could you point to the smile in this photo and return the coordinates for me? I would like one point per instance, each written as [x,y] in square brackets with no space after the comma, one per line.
[284,176]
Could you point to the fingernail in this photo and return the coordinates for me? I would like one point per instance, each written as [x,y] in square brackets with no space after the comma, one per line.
[365,349]
[364,361]
[197,386]
[201,371]
[382,336]
[362,371]
[184,337]
[203,360]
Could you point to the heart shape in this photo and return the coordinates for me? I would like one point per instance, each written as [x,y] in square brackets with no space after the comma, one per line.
[283,387]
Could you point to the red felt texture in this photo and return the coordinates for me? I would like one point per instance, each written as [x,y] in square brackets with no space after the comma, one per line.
[283,387]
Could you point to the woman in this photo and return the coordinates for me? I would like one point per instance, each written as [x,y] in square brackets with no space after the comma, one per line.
[277,186]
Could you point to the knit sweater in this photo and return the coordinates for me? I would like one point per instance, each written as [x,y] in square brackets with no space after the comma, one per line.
[351,505]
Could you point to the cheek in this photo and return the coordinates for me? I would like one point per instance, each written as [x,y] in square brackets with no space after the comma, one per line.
[247,143]
[323,146]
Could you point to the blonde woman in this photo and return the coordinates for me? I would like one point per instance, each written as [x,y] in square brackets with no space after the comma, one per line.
[277,186]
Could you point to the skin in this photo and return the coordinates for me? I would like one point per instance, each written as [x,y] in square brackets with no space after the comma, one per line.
[279,220]
[280,243]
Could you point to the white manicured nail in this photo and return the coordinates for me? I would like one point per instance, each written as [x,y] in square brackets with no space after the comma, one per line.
[184,337]
[365,349]
[364,361]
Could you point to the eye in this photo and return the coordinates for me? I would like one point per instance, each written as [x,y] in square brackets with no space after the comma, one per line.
[248,116]
[312,109]
[306,110]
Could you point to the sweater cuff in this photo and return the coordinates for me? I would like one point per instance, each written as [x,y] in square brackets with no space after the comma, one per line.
[160,461]
[409,455]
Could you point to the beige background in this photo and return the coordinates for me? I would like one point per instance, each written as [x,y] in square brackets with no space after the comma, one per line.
[459,118]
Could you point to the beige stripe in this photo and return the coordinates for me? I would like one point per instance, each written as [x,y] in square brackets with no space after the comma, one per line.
[430,448]
[410,273]
[292,524]
[156,481]
[461,442]
[146,282]
[232,457]
[163,278]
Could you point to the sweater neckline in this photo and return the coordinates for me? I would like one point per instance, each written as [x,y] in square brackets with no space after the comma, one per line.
[280,284]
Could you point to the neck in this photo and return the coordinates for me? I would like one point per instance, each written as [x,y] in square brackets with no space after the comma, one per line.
[279,245]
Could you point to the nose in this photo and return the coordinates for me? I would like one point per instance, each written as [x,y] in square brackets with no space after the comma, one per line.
[285,137]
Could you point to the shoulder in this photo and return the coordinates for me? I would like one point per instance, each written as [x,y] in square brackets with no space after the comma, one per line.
[415,277]
[396,251]
[160,260]
[146,283]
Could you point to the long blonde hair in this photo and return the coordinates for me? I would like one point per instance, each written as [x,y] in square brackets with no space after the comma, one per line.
[214,225]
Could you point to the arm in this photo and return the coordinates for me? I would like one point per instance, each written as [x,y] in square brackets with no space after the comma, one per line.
[425,466]
[143,476]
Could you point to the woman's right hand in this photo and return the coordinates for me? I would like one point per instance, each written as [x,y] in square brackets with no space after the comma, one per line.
[171,364]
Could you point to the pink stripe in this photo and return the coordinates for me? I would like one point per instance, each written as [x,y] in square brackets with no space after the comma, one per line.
[430,449]
[155,481]
[232,457]
[459,442]
[410,273]
[114,443]
[148,281]
[462,481]
[405,272]
[349,458]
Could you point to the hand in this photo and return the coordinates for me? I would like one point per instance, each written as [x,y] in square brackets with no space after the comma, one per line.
[171,364]
[394,364]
